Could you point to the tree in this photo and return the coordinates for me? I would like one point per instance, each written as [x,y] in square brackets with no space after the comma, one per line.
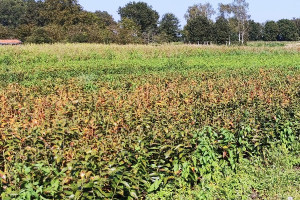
[6,32]
[224,10]
[47,21]
[77,33]
[169,27]
[297,23]
[271,31]
[205,10]
[198,29]
[221,30]
[11,12]
[61,12]
[23,31]
[141,13]
[32,13]
[255,31]
[39,36]
[99,35]
[129,32]
[237,14]
[240,10]
[234,31]
[55,32]
[105,18]
[287,30]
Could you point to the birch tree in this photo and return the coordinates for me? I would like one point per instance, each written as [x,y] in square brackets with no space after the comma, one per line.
[205,10]
[240,10]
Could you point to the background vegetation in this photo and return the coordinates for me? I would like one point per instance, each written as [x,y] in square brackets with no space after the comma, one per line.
[52,21]
[90,121]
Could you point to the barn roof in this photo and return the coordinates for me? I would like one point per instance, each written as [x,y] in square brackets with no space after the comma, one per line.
[10,42]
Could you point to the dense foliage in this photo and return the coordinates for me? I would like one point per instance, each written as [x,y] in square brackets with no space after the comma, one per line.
[169,28]
[221,30]
[142,14]
[199,30]
[287,30]
[65,21]
[255,31]
[95,121]
[271,31]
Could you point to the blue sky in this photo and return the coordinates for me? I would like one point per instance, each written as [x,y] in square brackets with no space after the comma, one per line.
[260,10]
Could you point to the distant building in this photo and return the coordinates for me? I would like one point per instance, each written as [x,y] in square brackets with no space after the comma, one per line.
[10,42]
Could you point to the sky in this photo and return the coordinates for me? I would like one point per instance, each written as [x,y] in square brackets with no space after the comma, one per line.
[260,10]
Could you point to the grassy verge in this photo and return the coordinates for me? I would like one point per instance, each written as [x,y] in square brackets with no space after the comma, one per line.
[274,177]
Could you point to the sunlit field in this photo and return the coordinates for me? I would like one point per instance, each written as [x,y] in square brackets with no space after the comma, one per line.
[87,121]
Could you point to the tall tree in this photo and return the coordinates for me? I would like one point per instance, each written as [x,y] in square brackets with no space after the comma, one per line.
[128,32]
[224,10]
[6,32]
[198,29]
[32,13]
[205,10]
[169,26]
[255,31]
[297,23]
[271,31]
[11,12]
[287,30]
[39,36]
[234,31]
[62,12]
[240,10]
[105,18]
[221,30]
[141,13]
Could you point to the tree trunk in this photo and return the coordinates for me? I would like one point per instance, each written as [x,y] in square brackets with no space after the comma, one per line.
[243,32]
[242,37]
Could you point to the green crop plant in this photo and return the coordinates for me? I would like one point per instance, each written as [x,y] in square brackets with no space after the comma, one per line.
[87,121]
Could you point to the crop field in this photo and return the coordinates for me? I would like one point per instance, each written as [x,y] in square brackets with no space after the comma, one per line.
[87,121]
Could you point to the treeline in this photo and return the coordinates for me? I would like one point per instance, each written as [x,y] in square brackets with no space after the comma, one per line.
[50,21]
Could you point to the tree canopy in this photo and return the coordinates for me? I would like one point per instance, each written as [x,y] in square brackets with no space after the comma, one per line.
[271,31]
[105,18]
[255,31]
[287,30]
[169,26]
[49,21]
[205,10]
[221,30]
[11,12]
[198,29]
[141,13]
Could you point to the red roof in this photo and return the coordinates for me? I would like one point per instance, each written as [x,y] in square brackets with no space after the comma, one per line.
[14,41]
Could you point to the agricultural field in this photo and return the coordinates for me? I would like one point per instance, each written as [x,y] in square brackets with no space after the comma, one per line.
[87,121]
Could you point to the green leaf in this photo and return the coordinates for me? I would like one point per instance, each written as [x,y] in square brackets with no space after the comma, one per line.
[88,185]
[155,185]
[168,153]
[103,194]
[133,194]
[27,170]
[126,184]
